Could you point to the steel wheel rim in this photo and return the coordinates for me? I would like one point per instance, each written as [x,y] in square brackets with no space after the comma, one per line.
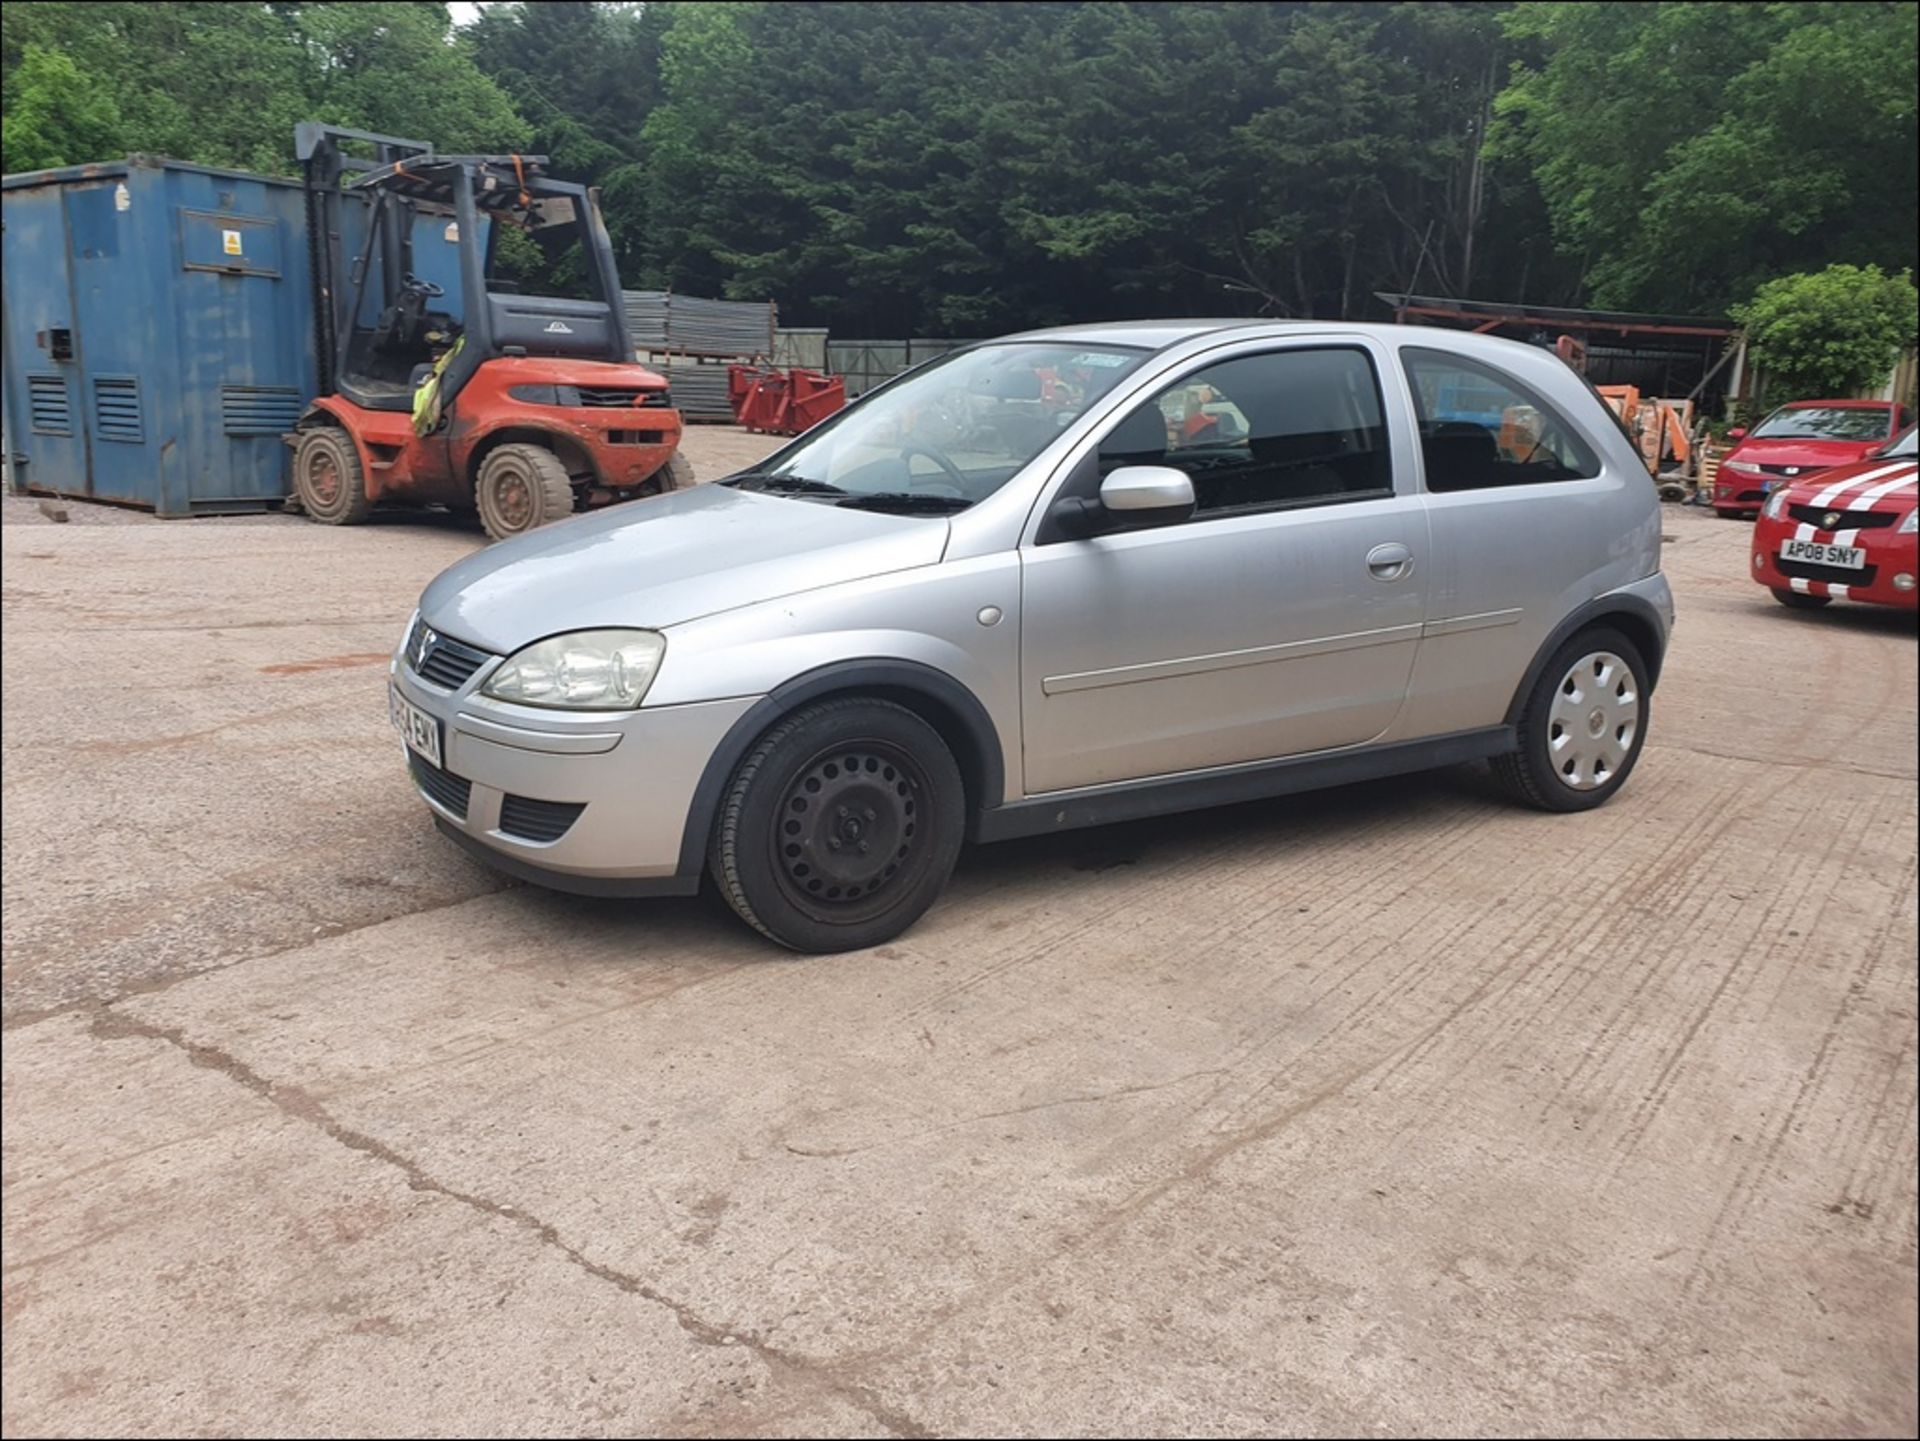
[852,831]
[323,477]
[1593,721]
[513,499]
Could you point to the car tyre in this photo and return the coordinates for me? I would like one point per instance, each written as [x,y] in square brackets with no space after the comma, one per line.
[1794,600]
[520,488]
[1582,727]
[327,478]
[840,828]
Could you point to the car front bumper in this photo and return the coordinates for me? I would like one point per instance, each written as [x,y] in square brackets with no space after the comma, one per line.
[630,774]
[1891,575]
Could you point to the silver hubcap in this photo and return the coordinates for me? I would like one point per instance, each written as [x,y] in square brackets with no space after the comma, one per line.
[1595,716]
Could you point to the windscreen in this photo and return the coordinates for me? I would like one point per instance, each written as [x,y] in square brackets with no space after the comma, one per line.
[1823,422]
[946,436]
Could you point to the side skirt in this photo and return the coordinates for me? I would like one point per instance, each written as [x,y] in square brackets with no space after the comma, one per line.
[1161,796]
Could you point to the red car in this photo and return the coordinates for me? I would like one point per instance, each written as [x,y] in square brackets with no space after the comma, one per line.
[1848,534]
[1797,440]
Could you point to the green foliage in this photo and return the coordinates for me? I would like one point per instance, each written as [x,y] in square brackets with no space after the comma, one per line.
[1688,151]
[965,168]
[225,83]
[56,114]
[1831,332]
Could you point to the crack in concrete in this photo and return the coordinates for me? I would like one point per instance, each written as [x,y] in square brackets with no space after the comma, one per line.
[1773,761]
[834,1153]
[153,986]
[294,1102]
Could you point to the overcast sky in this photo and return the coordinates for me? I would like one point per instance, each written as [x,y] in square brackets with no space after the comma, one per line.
[463,13]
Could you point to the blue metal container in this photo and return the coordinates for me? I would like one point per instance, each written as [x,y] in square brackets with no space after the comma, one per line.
[158,333]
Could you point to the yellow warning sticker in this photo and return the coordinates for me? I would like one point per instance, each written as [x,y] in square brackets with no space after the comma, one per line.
[230,242]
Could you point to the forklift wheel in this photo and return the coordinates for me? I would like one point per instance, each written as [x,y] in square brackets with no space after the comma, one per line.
[327,479]
[676,474]
[521,487]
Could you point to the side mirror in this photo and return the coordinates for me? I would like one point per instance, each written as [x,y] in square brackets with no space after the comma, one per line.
[1133,497]
[1148,492]
[1739,432]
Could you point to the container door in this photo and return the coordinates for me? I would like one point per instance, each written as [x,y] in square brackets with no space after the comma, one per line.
[120,355]
[244,332]
[45,421]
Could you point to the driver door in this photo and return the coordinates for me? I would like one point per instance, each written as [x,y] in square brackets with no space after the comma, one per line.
[1275,621]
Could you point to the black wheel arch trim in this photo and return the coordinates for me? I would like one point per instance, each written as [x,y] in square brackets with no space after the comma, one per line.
[982,765]
[1595,612]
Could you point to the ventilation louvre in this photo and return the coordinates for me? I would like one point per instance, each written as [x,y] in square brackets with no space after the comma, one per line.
[258,409]
[116,409]
[49,410]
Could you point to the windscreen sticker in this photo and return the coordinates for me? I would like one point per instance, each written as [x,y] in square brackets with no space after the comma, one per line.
[1094,358]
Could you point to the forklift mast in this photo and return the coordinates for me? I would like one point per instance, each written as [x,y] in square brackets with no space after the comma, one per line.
[394,179]
[336,296]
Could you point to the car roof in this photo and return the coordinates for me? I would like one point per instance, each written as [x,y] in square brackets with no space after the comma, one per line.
[1164,334]
[1840,404]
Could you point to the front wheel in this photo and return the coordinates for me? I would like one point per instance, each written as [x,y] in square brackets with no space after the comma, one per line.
[1794,600]
[1582,727]
[327,478]
[521,487]
[676,474]
[840,827]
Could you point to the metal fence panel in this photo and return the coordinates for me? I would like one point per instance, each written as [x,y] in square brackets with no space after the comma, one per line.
[690,325]
[699,389]
[806,349]
[870,363]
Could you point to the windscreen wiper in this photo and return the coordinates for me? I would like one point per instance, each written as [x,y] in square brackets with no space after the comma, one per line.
[904,502]
[783,484]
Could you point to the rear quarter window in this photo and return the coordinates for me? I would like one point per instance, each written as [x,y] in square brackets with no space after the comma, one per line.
[1481,428]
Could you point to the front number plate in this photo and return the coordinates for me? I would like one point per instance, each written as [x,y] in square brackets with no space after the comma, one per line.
[1813,552]
[419,730]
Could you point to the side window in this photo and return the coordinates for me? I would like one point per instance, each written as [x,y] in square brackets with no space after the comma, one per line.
[1480,428]
[1287,428]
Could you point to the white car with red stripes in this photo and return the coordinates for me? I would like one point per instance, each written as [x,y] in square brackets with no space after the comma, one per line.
[1845,534]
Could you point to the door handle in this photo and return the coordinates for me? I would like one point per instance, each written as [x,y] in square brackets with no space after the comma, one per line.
[1390,562]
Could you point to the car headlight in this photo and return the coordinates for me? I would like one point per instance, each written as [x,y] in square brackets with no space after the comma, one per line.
[1740,465]
[1910,524]
[1776,505]
[583,670]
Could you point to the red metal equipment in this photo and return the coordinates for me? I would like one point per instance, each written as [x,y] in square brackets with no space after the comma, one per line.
[787,402]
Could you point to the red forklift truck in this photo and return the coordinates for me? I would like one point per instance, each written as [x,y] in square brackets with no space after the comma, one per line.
[525,408]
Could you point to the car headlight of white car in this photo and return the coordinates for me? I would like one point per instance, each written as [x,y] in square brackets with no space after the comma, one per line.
[582,670]
[1776,505]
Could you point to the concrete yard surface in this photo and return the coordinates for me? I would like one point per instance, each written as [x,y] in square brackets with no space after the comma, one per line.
[1386,1110]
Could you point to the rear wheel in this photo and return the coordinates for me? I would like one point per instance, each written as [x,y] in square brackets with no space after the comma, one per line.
[327,478]
[1583,725]
[1794,600]
[521,487]
[841,827]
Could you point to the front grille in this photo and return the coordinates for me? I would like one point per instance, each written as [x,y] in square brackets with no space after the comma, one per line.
[532,820]
[606,397]
[440,660]
[610,397]
[1816,515]
[1751,495]
[447,790]
[1833,574]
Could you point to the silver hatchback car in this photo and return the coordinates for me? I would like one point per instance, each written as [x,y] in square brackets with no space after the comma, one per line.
[1068,577]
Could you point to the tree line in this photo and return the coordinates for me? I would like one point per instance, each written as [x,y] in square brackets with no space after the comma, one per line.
[960,169]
